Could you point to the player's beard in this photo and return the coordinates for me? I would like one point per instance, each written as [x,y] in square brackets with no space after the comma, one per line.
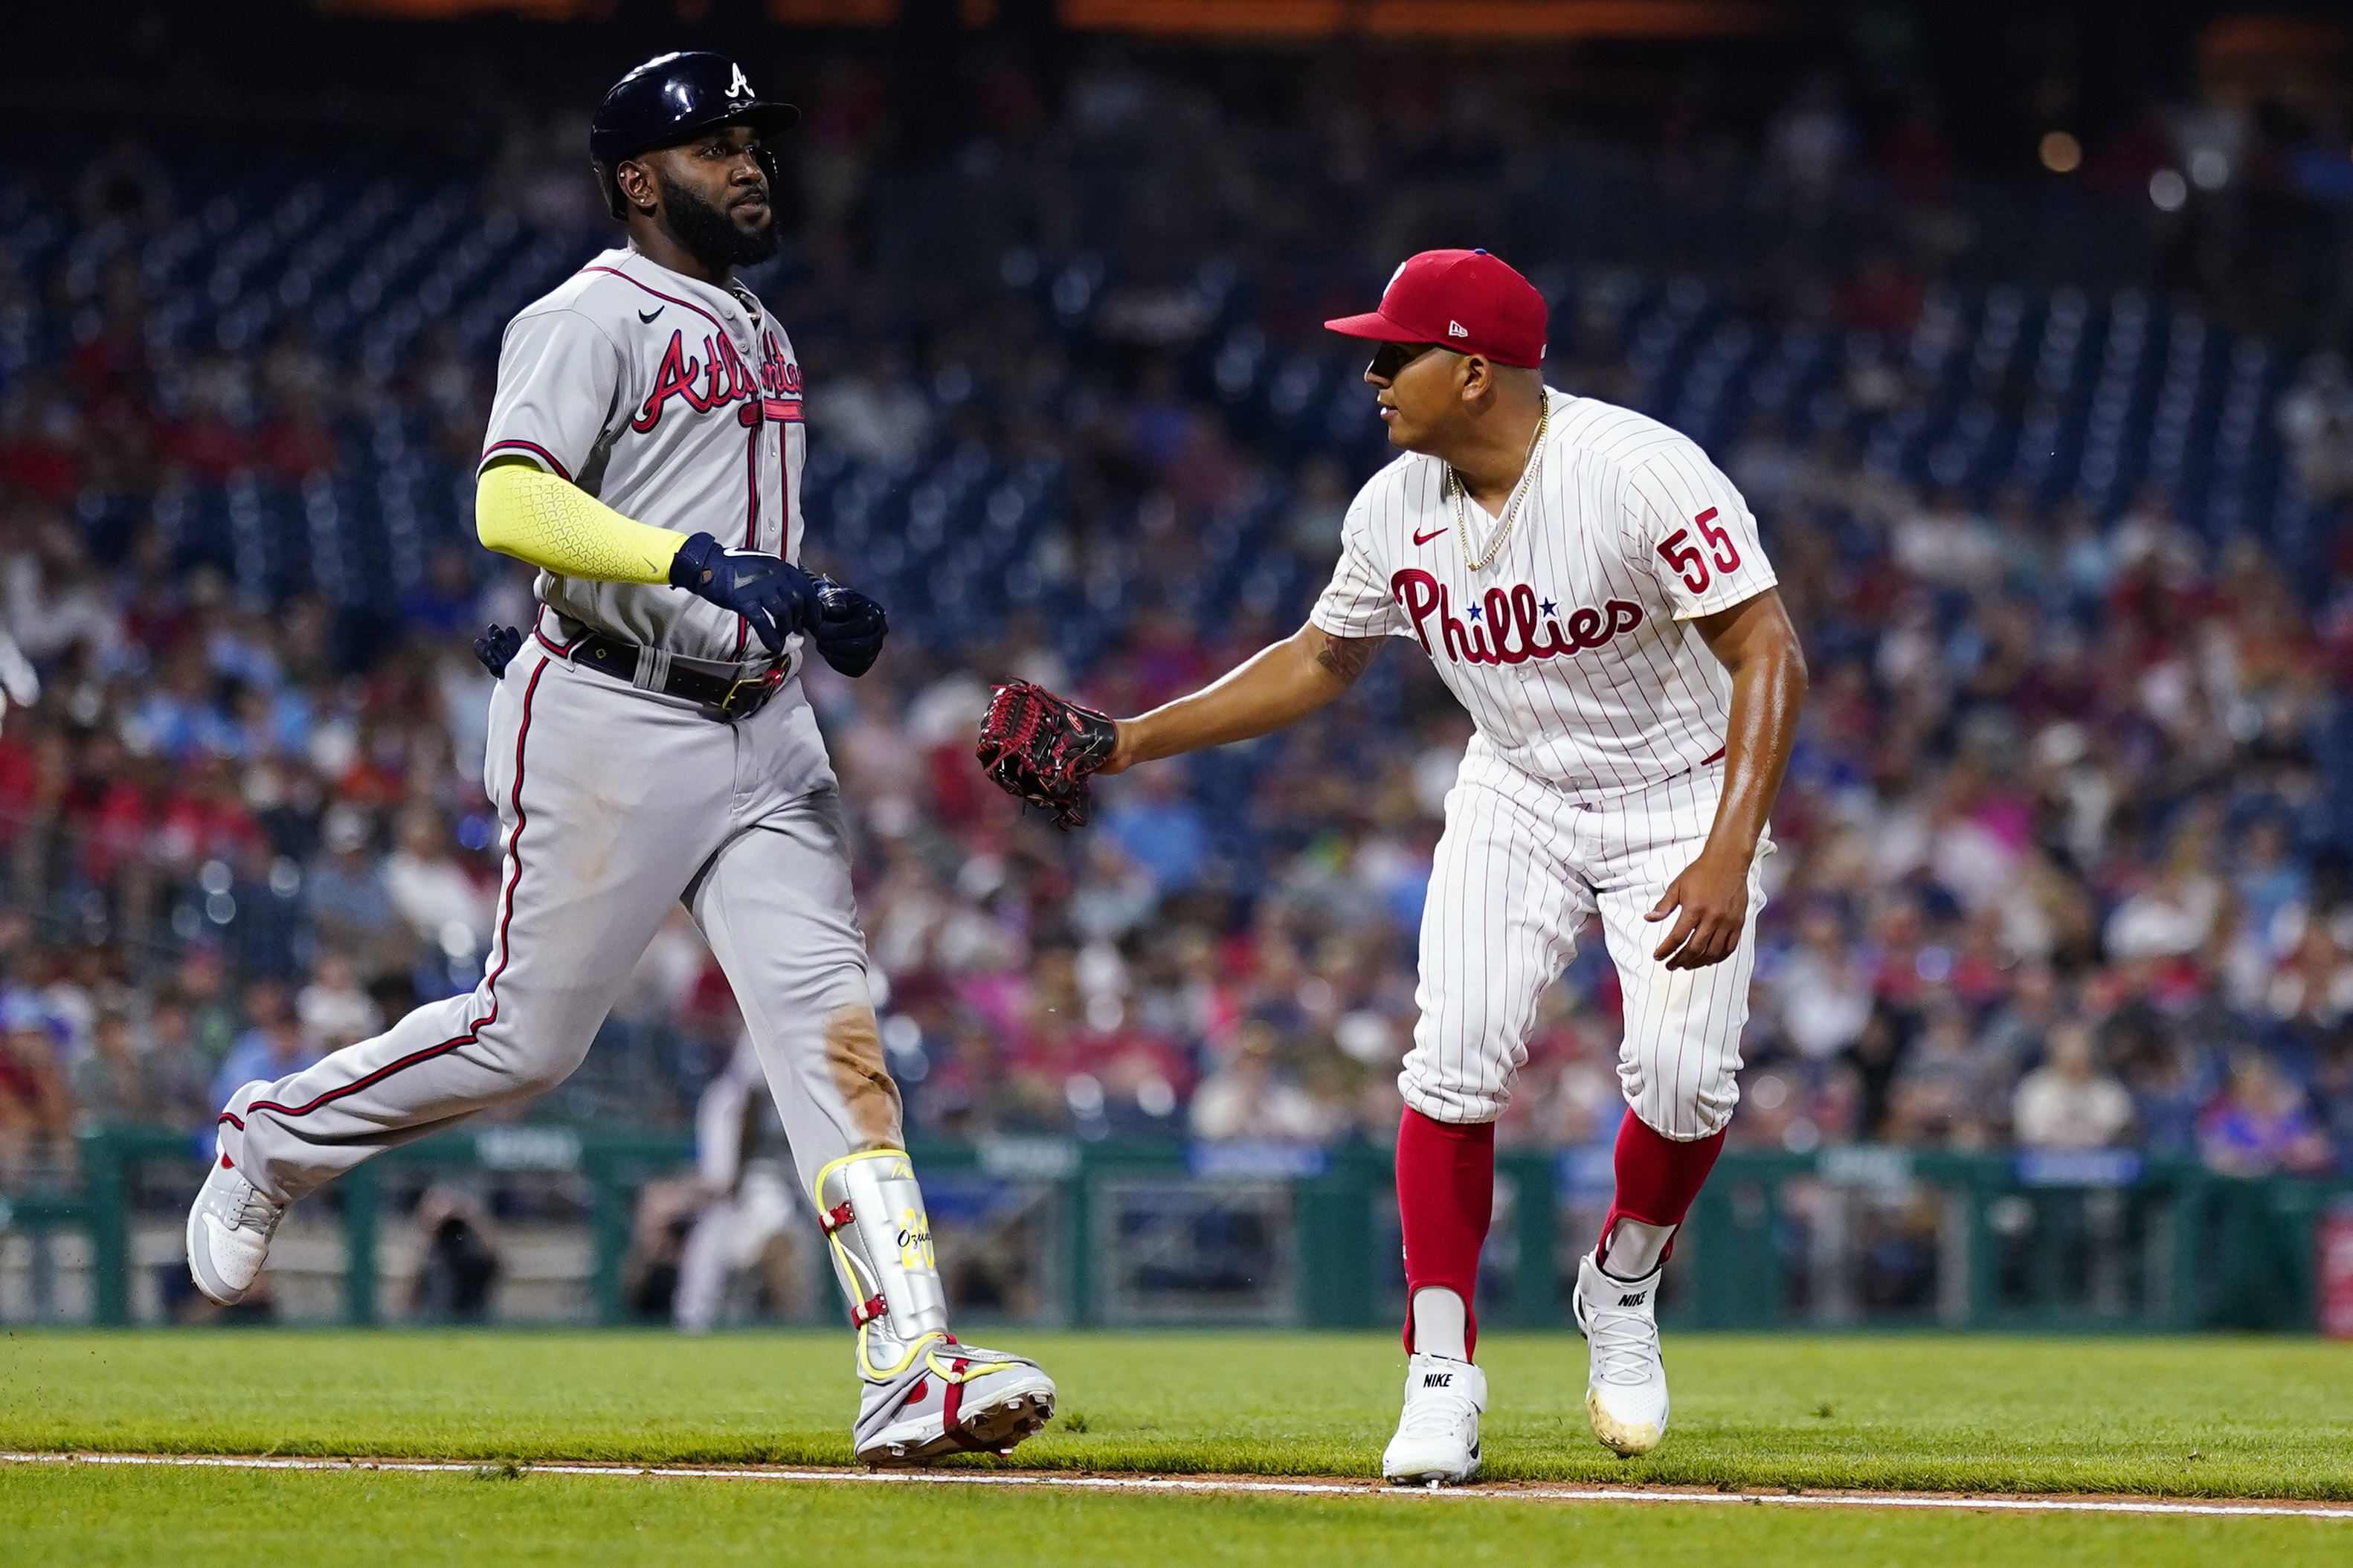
[712,235]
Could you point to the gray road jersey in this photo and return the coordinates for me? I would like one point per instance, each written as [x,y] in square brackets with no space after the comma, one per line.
[675,402]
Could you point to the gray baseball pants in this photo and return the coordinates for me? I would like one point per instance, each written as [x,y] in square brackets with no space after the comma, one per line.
[616,803]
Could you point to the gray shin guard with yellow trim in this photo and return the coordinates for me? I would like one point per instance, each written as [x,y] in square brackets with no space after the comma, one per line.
[921,1393]
[881,1239]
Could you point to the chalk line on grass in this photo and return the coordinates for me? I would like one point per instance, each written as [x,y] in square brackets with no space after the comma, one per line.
[1230,1486]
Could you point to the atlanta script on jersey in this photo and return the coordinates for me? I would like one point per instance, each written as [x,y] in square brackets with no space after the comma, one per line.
[1569,649]
[676,402]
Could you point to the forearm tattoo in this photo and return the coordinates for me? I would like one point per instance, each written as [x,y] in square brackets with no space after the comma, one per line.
[1347,657]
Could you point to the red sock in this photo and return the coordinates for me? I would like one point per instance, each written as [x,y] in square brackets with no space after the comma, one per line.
[1658,1177]
[1446,1192]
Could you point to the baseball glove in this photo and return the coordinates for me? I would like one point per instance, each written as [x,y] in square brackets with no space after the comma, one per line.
[1042,748]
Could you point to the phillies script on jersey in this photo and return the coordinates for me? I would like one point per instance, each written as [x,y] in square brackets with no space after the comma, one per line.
[1509,634]
[1571,648]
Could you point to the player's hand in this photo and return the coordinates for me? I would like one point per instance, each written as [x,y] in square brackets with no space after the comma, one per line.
[497,648]
[1712,896]
[774,596]
[849,627]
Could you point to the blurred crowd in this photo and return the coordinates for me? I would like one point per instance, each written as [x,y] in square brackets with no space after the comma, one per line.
[2060,863]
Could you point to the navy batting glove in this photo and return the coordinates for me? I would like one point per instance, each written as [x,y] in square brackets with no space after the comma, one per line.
[849,627]
[497,646]
[774,596]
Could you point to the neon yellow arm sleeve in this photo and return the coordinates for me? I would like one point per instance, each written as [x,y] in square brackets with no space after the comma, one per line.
[529,514]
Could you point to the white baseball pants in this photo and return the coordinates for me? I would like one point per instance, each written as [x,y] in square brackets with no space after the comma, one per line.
[1518,871]
[616,803]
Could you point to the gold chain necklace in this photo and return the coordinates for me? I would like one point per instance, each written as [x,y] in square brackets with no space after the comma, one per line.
[1528,467]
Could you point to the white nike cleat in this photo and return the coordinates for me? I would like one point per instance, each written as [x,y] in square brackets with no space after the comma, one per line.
[950,1398]
[229,1227]
[1437,1434]
[1626,1389]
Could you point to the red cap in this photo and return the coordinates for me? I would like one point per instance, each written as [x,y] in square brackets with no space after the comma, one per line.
[1466,301]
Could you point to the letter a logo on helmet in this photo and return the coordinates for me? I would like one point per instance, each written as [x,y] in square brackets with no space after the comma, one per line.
[671,97]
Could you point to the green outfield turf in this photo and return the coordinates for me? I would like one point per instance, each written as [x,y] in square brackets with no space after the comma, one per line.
[87,1515]
[2185,1417]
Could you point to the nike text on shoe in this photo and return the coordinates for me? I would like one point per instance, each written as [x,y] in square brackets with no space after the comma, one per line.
[1437,1434]
[1626,1389]
[229,1227]
[949,1398]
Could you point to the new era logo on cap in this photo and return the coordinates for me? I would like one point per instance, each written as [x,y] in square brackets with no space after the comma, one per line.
[1467,299]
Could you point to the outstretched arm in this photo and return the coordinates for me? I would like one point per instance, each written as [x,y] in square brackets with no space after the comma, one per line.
[1754,641]
[1279,685]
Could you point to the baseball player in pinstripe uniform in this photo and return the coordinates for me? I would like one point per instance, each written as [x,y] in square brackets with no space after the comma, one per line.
[1592,590]
[650,744]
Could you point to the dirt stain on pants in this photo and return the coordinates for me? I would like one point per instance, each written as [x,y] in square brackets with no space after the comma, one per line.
[853,1050]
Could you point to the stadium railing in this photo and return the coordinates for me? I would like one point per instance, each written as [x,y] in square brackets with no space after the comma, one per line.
[1059,1231]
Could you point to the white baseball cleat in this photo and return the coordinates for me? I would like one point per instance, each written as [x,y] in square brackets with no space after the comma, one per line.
[950,1398]
[1438,1434]
[229,1227]
[1626,1389]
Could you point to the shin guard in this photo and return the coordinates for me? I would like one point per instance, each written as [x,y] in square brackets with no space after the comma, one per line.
[881,1239]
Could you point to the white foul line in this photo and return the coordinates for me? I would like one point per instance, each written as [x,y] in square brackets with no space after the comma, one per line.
[1180,1484]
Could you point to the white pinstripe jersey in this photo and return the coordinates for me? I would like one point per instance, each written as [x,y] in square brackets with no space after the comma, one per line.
[1569,648]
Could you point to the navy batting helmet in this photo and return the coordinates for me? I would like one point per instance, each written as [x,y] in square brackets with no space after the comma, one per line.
[671,97]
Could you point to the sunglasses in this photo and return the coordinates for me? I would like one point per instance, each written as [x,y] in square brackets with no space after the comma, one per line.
[1391,358]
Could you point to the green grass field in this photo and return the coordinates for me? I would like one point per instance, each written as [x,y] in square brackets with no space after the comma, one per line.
[90,1516]
[2186,1417]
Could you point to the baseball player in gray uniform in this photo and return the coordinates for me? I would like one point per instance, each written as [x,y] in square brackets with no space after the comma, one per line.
[650,743]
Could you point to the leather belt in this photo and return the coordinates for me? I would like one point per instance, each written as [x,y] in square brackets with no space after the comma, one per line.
[729,697]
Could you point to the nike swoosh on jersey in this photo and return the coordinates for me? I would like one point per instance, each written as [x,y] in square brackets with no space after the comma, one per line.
[649,315]
[1425,538]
